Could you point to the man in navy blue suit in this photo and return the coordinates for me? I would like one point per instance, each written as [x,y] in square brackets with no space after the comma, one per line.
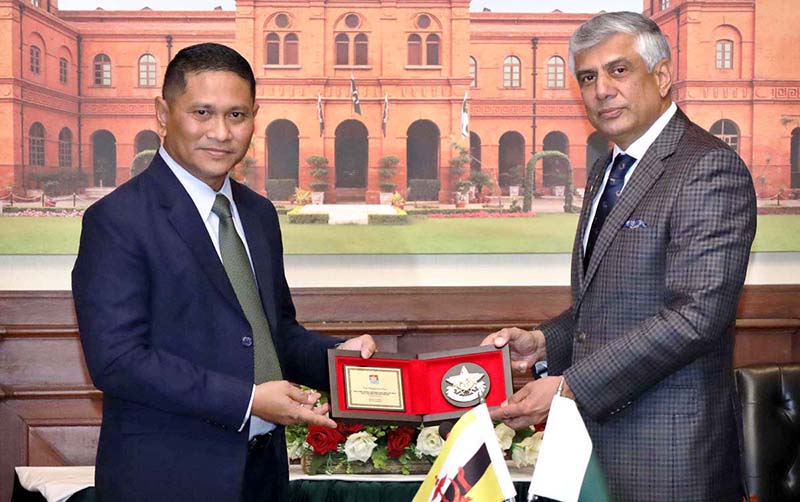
[195,379]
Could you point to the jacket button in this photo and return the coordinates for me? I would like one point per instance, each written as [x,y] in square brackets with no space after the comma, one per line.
[580,337]
[247,341]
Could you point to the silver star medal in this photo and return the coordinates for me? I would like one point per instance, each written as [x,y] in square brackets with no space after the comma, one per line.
[465,386]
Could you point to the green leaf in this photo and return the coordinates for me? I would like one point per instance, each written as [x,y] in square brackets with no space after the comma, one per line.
[379,457]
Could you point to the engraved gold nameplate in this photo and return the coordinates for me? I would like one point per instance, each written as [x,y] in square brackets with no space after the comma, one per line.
[374,388]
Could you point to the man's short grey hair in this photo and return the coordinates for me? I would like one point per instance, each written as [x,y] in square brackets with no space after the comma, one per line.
[650,42]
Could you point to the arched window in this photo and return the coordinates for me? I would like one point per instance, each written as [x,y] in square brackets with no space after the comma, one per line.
[65,148]
[273,48]
[361,49]
[432,49]
[36,144]
[473,72]
[146,140]
[727,131]
[422,152]
[291,49]
[351,154]
[474,152]
[724,54]
[596,148]
[414,50]
[147,70]
[511,72]
[63,66]
[104,158]
[342,49]
[102,70]
[511,159]
[36,60]
[555,73]
[555,170]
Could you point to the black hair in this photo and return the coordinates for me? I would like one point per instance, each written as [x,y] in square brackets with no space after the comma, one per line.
[204,57]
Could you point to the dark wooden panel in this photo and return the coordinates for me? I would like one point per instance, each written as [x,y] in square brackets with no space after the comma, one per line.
[42,426]
[50,413]
[45,308]
[43,359]
[770,302]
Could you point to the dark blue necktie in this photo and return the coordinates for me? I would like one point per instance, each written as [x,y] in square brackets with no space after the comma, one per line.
[612,191]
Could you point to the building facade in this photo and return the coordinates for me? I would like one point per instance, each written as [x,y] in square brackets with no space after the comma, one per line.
[77,90]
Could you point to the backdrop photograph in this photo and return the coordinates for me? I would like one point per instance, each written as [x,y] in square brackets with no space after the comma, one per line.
[382,129]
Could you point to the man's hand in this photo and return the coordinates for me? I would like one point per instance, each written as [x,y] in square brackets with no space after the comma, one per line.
[531,404]
[364,344]
[282,402]
[527,347]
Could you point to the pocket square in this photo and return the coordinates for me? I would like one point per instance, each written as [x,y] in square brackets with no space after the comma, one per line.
[636,223]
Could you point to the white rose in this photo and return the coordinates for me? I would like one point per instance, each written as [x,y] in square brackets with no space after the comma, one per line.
[359,446]
[505,435]
[296,448]
[524,454]
[429,442]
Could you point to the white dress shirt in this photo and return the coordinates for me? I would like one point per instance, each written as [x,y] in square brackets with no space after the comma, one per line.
[637,149]
[203,197]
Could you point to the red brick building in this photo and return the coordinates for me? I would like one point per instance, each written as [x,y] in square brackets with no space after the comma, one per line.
[77,88]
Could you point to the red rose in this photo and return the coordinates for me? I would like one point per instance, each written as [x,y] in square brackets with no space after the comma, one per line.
[347,429]
[323,439]
[398,439]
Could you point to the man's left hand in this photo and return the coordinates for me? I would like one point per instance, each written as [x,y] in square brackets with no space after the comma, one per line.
[364,344]
[531,404]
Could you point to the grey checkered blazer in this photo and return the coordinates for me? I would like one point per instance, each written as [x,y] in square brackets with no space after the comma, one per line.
[648,341]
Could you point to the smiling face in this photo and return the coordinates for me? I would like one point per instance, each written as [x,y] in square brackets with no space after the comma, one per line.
[209,126]
[622,97]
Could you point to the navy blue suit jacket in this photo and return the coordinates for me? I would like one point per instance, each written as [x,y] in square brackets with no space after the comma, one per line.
[162,333]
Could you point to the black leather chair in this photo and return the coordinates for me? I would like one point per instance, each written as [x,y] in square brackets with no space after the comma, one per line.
[770,398]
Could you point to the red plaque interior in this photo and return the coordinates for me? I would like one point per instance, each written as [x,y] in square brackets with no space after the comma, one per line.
[421,382]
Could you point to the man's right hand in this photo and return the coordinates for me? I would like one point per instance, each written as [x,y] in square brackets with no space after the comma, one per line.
[282,402]
[527,347]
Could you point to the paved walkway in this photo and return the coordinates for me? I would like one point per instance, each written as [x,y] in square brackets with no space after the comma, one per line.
[348,214]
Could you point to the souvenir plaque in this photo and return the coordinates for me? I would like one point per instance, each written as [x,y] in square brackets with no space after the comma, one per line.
[417,388]
[372,388]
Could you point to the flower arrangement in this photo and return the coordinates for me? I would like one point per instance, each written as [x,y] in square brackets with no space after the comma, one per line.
[398,200]
[481,214]
[301,197]
[358,448]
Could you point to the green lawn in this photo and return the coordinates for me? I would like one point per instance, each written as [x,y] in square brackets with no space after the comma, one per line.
[39,235]
[550,233]
[546,233]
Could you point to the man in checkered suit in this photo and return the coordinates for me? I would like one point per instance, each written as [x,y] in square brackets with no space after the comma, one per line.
[658,265]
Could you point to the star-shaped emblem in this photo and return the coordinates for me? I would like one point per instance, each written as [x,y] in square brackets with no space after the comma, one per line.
[465,380]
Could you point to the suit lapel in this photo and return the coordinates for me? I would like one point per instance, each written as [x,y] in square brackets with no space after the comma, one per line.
[592,186]
[259,253]
[647,172]
[184,218]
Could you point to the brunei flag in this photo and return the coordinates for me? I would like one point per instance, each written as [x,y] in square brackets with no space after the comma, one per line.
[470,467]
